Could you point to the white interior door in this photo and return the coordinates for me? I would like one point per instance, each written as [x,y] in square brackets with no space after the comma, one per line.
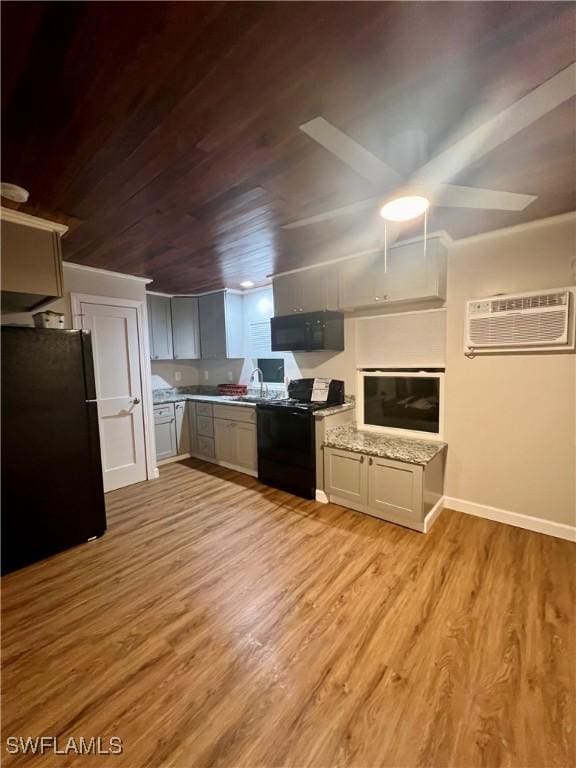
[119,392]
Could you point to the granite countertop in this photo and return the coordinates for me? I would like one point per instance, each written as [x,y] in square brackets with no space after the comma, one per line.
[177,397]
[348,437]
[348,406]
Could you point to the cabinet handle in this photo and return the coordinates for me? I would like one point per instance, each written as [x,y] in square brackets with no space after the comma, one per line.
[370,461]
[361,459]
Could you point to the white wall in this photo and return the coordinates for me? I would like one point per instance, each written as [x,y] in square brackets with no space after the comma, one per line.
[510,419]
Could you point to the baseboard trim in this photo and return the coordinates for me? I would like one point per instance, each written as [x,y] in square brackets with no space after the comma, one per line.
[321,496]
[536,524]
[433,514]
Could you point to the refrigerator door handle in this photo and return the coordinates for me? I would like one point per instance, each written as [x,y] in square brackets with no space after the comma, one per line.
[91,401]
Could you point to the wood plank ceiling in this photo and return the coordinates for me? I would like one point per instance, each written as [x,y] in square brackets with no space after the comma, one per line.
[167,134]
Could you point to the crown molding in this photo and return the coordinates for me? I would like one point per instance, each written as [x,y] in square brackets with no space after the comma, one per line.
[106,272]
[527,226]
[17,217]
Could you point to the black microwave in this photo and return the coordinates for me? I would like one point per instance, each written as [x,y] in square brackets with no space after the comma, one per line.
[308,332]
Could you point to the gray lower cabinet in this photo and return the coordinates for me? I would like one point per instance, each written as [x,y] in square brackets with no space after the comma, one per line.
[165,431]
[192,428]
[160,327]
[221,325]
[392,490]
[182,428]
[204,431]
[185,327]
[235,436]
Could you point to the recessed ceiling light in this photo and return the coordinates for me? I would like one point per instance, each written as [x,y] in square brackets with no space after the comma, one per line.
[404,208]
[246,284]
[14,192]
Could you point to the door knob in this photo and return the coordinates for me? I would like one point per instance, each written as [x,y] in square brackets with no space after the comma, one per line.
[135,400]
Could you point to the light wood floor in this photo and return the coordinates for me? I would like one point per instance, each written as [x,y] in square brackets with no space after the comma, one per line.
[222,623]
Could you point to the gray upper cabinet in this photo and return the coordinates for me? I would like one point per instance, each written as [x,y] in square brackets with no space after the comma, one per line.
[311,290]
[416,273]
[221,325]
[185,328]
[362,281]
[31,266]
[412,273]
[160,327]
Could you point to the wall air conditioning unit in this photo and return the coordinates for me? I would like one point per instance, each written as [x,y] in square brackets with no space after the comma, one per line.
[522,322]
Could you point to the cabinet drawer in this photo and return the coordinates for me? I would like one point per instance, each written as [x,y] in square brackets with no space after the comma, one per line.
[235,413]
[161,412]
[204,409]
[205,447]
[205,426]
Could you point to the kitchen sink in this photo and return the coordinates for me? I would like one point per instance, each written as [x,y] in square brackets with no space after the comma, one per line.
[246,399]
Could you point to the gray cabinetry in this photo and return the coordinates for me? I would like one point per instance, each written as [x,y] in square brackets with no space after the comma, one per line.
[160,327]
[185,328]
[346,475]
[31,266]
[396,491]
[235,437]
[182,429]
[308,291]
[362,281]
[221,324]
[413,273]
[165,431]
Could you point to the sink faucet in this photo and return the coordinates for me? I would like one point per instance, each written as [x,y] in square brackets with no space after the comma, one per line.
[258,370]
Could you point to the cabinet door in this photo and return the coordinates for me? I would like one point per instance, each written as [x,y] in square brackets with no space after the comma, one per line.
[287,299]
[224,440]
[206,447]
[31,263]
[182,431]
[318,288]
[212,326]
[165,431]
[192,429]
[246,450]
[160,327]
[185,328]
[346,476]
[395,489]
[234,320]
[415,272]
[362,281]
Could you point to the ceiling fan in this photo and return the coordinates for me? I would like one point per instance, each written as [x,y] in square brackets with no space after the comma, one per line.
[404,199]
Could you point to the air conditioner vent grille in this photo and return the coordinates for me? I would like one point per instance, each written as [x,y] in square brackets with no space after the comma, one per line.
[525,329]
[541,320]
[529,302]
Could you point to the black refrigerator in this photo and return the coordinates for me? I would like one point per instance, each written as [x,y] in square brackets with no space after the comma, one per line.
[52,490]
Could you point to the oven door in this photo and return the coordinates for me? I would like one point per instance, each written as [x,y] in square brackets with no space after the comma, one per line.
[286,451]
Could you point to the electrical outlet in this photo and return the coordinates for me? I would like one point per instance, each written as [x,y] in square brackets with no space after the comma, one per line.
[205,375]
[177,376]
[229,375]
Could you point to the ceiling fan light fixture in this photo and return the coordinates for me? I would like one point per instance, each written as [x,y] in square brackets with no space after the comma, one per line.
[14,192]
[404,208]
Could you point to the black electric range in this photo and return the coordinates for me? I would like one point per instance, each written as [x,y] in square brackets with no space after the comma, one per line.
[286,437]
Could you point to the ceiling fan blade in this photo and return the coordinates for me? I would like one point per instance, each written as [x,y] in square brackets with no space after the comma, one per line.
[502,127]
[334,213]
[350,152]
[454,196]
